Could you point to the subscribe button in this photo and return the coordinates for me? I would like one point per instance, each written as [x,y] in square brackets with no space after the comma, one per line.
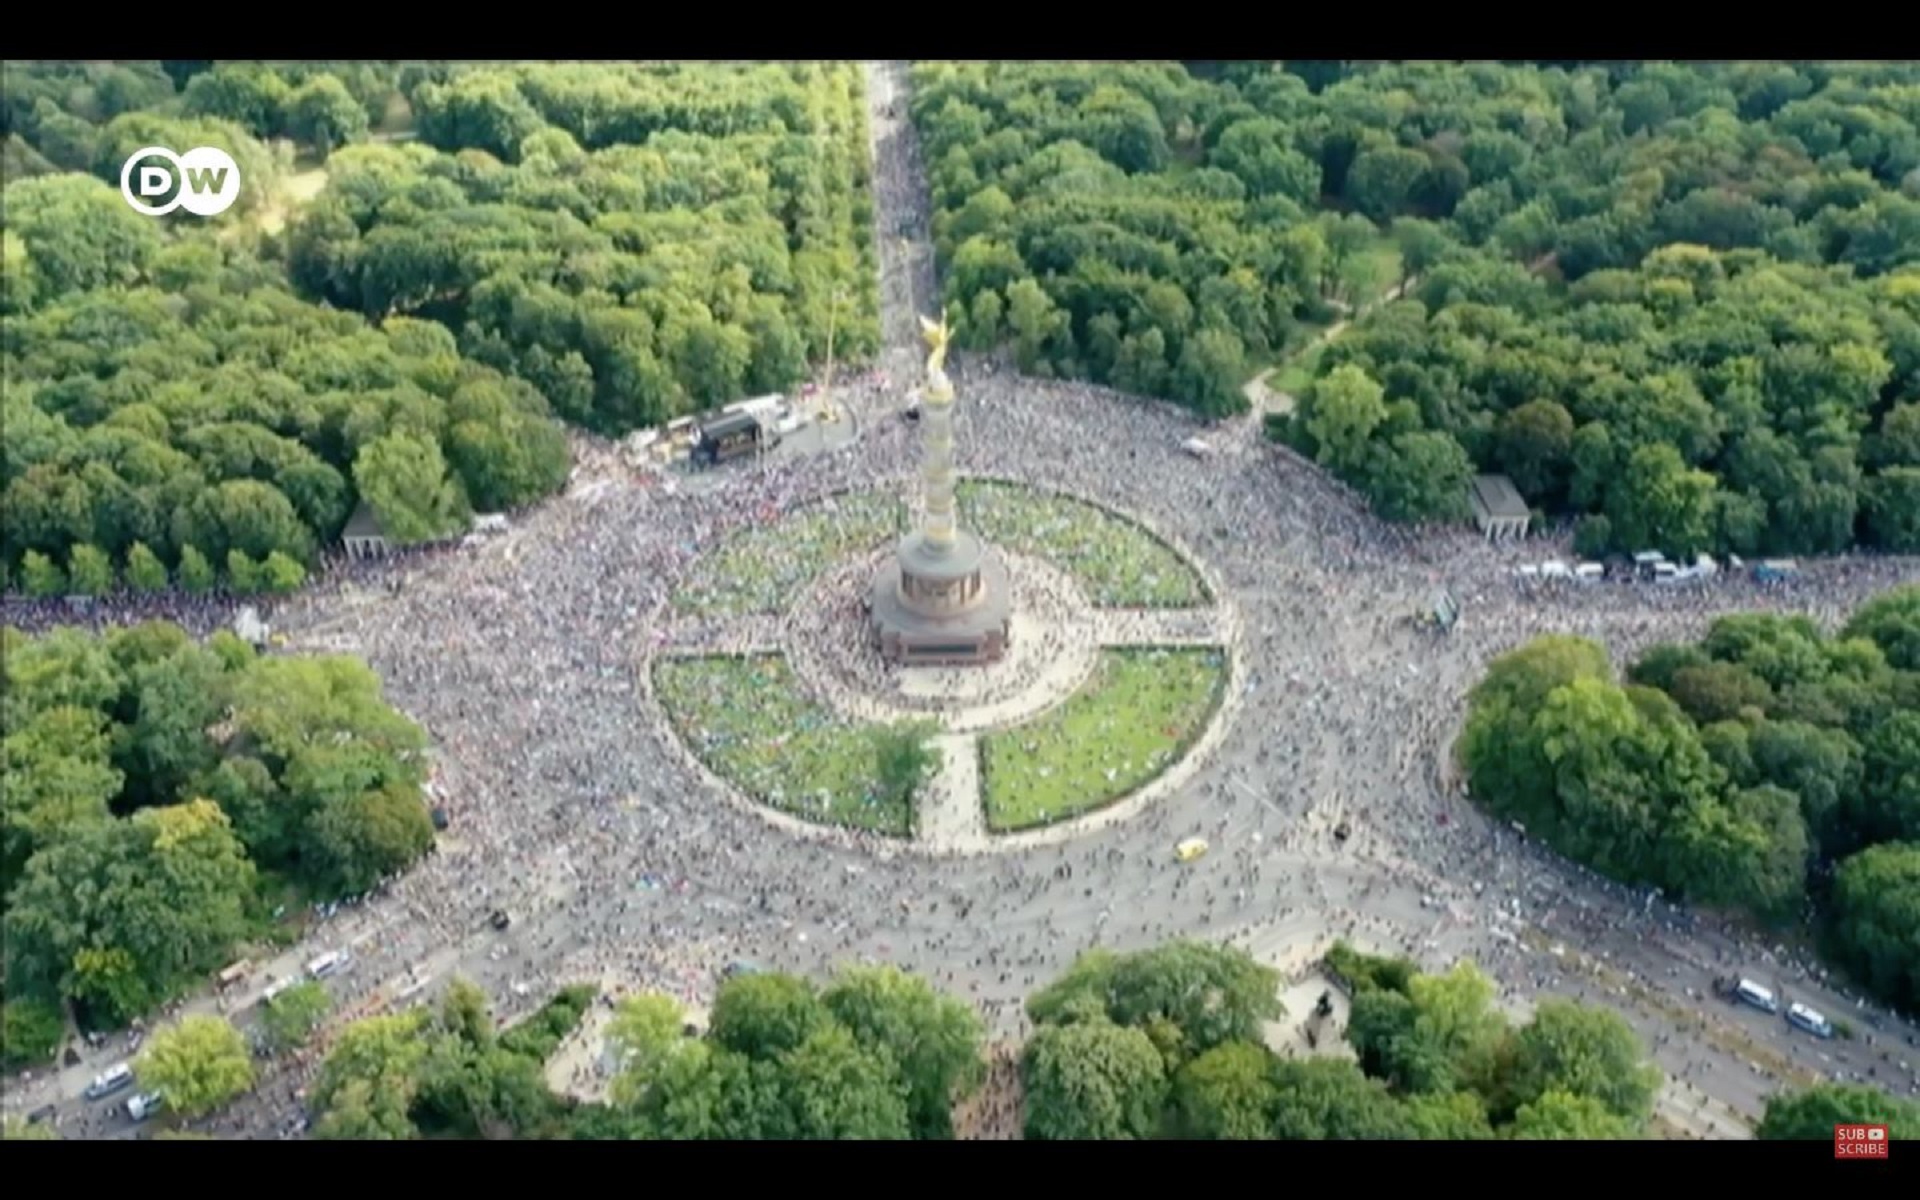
[1859,1141]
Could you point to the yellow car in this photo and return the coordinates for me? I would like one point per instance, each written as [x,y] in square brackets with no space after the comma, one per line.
[1190,849]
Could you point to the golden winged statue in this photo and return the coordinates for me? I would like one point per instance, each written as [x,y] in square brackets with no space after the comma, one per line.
[936,335]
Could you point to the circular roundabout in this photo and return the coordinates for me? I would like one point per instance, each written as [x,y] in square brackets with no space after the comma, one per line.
[1106,679]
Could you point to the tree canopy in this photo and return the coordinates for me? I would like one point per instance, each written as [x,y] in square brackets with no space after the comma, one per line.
[1140,1045]
[1677,296]
[611,245]
[150,782]
[876,1054]
[1766,766]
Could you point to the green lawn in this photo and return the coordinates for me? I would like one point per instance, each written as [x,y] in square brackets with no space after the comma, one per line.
[1383,261]
[1299,362]
[1138,713]
[1293,377]
[1119,564]
[757,569]
[749,722]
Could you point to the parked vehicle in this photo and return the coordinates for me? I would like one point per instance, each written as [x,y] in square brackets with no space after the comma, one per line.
[1748,992]
[1809,1020]
[109,1081]
[146,1104]
[327,964]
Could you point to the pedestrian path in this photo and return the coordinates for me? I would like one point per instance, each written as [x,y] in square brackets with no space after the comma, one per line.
[951,818]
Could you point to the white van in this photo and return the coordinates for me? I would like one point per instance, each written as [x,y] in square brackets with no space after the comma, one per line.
[1808,1020]
[1589,572]
[109,1081]
[1197,448]
[143,1106]
[1752,993]
[327,964]
[1553,568]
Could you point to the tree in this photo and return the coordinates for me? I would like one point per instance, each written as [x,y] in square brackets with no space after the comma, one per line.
[1662,504]
[902,762]
[370,1079]
[200,1063]
[40,577]
[89,571]
[1420,477]
[645,1036]
[350,843]
[1187,996]
[1583,1052]
[405,480]
[1092,1080]
[836,1090]
[145,572]
[196,574]
[30,1032]
[281,574]
[1212,373]
[934,1039]
[1719,691]
[1811,1114]
[170,908]
[1892,621]
[463,1013]
[1226,1093]
[1562,1116]
[1440,1036]
[764,1015]
[1326,1099]
[1888,806]
[1381,182]
[1875,911]
[243,574]
[323,114]
[1536,445]
[1344,408]
[293,1015]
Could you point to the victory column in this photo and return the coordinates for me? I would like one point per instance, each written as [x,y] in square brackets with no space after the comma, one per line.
[942,599]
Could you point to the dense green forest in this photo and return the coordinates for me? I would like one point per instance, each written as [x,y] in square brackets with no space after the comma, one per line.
[1681,298]
[1168,1043]
[1769,768]
[609,245]
[159,796]
[1161,1043]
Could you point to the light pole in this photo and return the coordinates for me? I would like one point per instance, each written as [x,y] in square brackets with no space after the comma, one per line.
[833,320]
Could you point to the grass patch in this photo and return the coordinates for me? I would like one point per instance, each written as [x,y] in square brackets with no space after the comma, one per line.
[1120,564]
[541,1033]
[1297,372]
[1383,268]
[747,719]
[1133,719]
[757,569]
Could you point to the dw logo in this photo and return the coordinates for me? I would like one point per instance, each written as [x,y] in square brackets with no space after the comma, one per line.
[204,181]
